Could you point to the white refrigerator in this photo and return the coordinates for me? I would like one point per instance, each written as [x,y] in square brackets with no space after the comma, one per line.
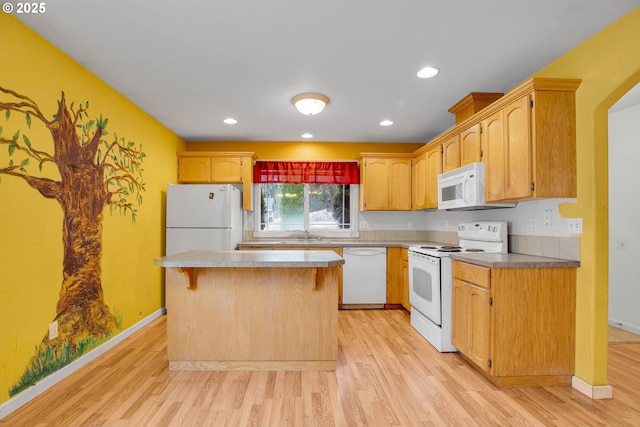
[203,217]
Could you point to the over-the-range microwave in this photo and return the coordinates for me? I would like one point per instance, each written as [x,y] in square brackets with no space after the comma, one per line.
[463,189]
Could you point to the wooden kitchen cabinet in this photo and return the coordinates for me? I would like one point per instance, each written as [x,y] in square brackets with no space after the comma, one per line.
[434,168]
[405,279]
[529,144]
[218,168]
[227,169]
[451,153]
[470,332]
[420,181]
[397,278]
[427,167]
[194,169]
[470,145]
[517,325]
[385,182]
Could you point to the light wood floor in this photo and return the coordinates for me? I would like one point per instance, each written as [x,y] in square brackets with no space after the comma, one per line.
[620,335]
[387,375]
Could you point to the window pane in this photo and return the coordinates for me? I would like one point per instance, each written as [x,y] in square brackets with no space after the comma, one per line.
[328,206]
[282,207]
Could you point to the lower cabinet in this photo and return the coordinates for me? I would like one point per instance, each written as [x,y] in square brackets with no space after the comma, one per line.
[517,325]
[398,278]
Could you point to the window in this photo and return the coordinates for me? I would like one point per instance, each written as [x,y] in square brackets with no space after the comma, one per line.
[290,207]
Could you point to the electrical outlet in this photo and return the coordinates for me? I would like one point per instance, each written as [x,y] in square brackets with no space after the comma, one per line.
[364,224]
[575,225]
[547,216]
[409,225]
[53,330]
[533,225]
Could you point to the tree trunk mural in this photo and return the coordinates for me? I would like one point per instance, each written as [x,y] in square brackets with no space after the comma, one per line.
[93,173]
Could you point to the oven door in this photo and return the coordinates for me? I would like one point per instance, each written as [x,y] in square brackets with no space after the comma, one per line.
[424,285]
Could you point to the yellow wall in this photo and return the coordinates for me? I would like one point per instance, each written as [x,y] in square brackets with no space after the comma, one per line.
[609,65]
[30,225]
[304,150]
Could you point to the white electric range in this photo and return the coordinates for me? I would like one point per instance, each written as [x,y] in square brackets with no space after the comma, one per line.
[430,278]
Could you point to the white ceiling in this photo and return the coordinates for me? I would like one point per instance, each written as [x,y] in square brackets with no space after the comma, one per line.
[192,63]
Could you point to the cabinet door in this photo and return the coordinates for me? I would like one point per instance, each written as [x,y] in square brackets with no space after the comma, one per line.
[451,154]
[460,316]
[375,185]
[493,156]
[194,169]
[434,168]
[400,184]
[470,145]
[226,169]
[479,341]
[405,280]
[420,182]
[394,276]
[517,149]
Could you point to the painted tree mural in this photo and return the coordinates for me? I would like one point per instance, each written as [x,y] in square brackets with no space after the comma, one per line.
[94,171]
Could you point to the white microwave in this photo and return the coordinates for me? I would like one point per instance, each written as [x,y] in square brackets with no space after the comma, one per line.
[463,189]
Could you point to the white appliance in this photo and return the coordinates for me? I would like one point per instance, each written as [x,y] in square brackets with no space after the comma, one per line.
[203,217]
[364,276]
[463,189]
[430,278]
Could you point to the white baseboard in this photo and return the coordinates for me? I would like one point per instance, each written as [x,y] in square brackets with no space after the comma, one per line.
[47,382]
[595,392]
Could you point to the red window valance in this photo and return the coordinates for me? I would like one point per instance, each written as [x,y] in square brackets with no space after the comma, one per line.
[306,172]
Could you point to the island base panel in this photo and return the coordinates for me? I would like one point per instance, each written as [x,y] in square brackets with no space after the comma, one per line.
[252,317]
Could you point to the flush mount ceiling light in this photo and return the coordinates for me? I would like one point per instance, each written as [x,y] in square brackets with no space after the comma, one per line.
[307,135]
[230,121]
[310,104]
[427,72]
[386,123]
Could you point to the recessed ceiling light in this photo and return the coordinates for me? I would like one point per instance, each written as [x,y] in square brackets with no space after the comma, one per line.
[230,121]
[307,135]
[427,72]
[386,123]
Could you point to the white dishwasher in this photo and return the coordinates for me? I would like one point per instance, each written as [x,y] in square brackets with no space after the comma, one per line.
[364,277]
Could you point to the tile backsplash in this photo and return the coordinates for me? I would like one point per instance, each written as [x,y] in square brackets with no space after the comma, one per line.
[546,246]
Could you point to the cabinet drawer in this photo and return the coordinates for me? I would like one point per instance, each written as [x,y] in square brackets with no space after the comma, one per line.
[480,276]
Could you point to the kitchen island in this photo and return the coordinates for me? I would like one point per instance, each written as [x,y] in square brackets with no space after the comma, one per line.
[252,310]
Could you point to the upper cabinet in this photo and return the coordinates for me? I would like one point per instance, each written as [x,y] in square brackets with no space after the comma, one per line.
[451,153]
[526,139]
[385,182]
[427,165]
[529,143]
[218,167]
[470,145]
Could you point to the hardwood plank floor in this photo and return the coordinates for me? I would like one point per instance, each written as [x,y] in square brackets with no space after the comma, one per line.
[387,375]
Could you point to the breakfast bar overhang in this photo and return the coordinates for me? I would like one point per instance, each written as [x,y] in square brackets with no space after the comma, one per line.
[252,310]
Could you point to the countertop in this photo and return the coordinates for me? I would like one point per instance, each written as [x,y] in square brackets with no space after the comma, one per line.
[258,258]
[315,243]
[510,260]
